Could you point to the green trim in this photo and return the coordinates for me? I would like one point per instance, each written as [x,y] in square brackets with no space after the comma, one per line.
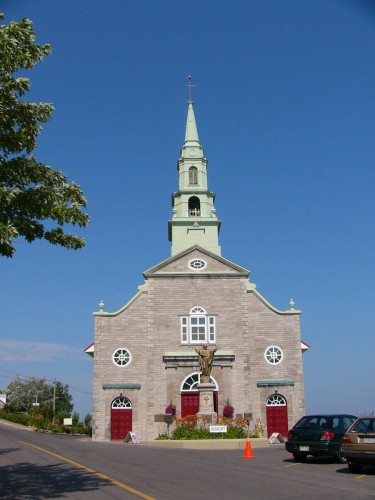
[141,289]
[119,385]
[184,354]
[290,312]
[272,383]
[236,270]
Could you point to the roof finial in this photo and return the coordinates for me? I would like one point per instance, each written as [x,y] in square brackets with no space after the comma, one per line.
[190,85]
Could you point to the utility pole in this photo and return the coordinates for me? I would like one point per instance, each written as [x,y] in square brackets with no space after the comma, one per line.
[54,402]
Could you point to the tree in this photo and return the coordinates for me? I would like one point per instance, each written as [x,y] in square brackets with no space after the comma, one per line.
[87,421]
[51,399]
[36,201]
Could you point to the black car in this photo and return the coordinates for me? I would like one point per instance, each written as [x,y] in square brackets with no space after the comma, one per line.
[318,435]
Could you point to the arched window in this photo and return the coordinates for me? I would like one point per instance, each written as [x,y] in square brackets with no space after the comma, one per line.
[198,328]
[121,403]
[194,207]
[191,381]
[193,176]
[276,400]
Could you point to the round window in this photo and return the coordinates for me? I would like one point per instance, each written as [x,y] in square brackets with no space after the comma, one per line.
[273,355]
[197,264]
[121,357]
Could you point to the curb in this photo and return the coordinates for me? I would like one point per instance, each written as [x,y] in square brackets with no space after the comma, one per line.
[210,444]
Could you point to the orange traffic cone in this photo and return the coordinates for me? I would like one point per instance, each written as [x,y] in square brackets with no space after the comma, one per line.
[248,450]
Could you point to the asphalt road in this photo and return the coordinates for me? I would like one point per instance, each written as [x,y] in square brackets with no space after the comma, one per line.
[36,465]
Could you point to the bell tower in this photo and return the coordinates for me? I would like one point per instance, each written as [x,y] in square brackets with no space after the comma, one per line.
[194,220]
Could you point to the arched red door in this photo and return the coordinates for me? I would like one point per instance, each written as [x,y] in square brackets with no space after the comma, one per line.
[277,415]
[190,395]
[121,418]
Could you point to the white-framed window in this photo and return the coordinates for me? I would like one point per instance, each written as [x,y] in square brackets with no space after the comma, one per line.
[122,403]
[273,355]
[198,327]
[191,381]
[276,400]
[197,264]
[121,357]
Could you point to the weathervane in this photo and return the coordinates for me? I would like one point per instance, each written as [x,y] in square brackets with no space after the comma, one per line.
[190,85]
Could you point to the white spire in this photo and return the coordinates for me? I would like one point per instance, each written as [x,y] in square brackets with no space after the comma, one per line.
[191,134]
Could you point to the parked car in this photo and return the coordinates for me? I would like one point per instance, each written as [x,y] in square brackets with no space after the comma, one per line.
[358,444]
[318,435]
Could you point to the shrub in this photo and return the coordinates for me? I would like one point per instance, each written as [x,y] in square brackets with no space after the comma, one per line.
[188,432]
[235,433]
[163,437]
[24,419]
[188,428]
[37,421]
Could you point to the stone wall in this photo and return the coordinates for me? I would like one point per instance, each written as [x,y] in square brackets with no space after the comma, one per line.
[150,326]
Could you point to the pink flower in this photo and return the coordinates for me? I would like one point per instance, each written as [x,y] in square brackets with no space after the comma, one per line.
[170,410]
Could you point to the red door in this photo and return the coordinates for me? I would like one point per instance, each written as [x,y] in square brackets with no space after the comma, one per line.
[277,420]
[121,422]
[189,403]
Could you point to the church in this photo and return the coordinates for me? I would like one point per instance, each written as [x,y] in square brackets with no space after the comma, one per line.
[144,354]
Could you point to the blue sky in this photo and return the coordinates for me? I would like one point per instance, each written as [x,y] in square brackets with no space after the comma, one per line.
[285,108]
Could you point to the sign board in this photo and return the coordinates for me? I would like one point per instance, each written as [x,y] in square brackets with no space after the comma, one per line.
[218,428]
[159,417]
[68,421]
[276,436]
[131,438]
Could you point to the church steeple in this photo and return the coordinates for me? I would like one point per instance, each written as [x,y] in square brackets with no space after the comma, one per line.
[194,220]
[191,135]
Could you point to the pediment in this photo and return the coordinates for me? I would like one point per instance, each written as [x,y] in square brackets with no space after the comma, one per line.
[180,265]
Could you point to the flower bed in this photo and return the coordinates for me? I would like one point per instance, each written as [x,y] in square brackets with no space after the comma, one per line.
[193,428]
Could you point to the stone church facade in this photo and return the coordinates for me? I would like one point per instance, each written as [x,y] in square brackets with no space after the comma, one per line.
[144,354]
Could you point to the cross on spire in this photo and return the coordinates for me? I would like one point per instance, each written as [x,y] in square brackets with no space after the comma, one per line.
[190,85]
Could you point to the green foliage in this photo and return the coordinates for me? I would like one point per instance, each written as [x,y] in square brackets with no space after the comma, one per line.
[187,432]
[36,201]
[235,433]
[163,437]
[24,419]
[75,418]
[37,422]
[190,428]
[58,429]
[87,421]
[87,424]
[23,393]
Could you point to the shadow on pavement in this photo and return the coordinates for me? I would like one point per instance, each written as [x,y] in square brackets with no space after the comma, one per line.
[366,470]
[24,480]
[3,451]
